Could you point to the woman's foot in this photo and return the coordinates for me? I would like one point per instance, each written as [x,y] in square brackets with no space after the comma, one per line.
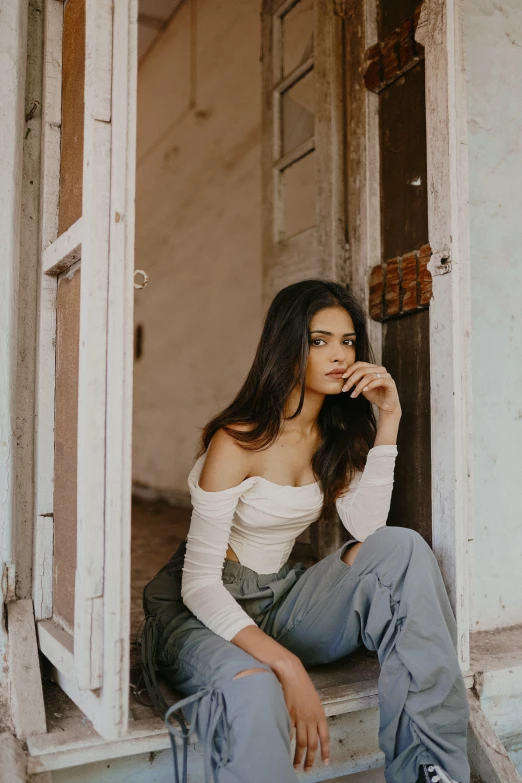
[431,773]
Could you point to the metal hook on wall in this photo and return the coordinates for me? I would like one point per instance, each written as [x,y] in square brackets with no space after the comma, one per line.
[145,278]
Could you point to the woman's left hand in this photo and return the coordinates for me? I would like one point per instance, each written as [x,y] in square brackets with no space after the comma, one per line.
[374,383]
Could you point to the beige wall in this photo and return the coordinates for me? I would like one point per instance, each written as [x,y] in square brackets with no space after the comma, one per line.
[197,230]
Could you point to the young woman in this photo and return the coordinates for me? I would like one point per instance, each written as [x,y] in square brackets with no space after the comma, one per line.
[233,626]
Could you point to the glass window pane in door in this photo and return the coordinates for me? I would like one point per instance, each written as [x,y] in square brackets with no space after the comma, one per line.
[297,113]
[298,193]
[298,35]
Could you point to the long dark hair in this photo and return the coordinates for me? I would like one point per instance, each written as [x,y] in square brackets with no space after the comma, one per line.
[347,425]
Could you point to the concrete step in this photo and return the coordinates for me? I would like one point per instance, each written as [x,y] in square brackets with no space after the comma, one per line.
[348,690]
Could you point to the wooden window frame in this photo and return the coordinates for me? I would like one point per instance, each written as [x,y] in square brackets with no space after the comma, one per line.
[290,258]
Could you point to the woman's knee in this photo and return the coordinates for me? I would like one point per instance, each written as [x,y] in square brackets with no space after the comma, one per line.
[400,544]
[401,536]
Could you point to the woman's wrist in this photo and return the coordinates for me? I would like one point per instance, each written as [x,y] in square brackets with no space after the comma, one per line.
[257,643]
[286,666]
[388,428]
[389,418]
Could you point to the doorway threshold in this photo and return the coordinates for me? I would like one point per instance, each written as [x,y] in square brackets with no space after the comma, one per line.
[346,686]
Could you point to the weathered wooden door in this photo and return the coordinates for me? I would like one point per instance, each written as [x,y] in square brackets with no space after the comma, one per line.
[388,224]
[302,143]
[81,569]
[395,71]
[303,163]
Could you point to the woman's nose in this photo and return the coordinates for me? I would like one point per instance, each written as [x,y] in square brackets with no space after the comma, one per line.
[338,354]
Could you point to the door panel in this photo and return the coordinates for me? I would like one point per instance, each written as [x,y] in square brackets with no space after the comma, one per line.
[88,249]
[404,228]
[72,124]
[407,350]
[68,317]
[404,191]
[65,446]
[400,287]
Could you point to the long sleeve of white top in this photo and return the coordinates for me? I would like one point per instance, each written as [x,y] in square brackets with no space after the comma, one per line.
[362,509]
[202,587]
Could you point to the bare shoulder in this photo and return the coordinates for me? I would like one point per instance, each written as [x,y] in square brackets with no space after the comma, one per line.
[227,463]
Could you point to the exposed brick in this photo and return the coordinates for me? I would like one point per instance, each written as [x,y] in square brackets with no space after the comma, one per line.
[388,59]
[406,43]
[401,285]
[424,275]
[391,296]
[376,292]
[409,282]
[390,56]
[373,74]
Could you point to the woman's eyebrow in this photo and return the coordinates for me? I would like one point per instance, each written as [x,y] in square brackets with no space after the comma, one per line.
[322,331]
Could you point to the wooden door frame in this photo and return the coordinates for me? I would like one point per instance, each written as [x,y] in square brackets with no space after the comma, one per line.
[440,32]
[15,400]
[91,670]
[364,164]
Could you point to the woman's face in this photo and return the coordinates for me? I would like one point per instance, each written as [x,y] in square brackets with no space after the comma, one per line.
[332,348]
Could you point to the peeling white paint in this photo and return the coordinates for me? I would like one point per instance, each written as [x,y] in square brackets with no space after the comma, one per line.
[13,35]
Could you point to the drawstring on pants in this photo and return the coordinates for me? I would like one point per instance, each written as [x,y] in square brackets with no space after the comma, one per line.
[215,716]
[148,646]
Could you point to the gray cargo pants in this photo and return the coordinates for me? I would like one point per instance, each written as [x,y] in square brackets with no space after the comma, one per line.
[392,600]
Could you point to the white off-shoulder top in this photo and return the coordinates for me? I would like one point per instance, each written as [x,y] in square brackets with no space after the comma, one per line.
[261,521]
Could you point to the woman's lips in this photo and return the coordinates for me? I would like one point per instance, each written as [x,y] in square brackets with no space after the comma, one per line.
[336,375]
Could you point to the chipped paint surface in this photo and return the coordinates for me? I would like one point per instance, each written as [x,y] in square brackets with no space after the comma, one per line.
[493,63]
[13,32]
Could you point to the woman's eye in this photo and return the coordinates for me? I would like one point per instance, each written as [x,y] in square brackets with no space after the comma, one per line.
[350,341]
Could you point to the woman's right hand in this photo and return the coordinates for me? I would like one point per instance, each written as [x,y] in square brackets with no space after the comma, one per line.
[307,718]
[308,721]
